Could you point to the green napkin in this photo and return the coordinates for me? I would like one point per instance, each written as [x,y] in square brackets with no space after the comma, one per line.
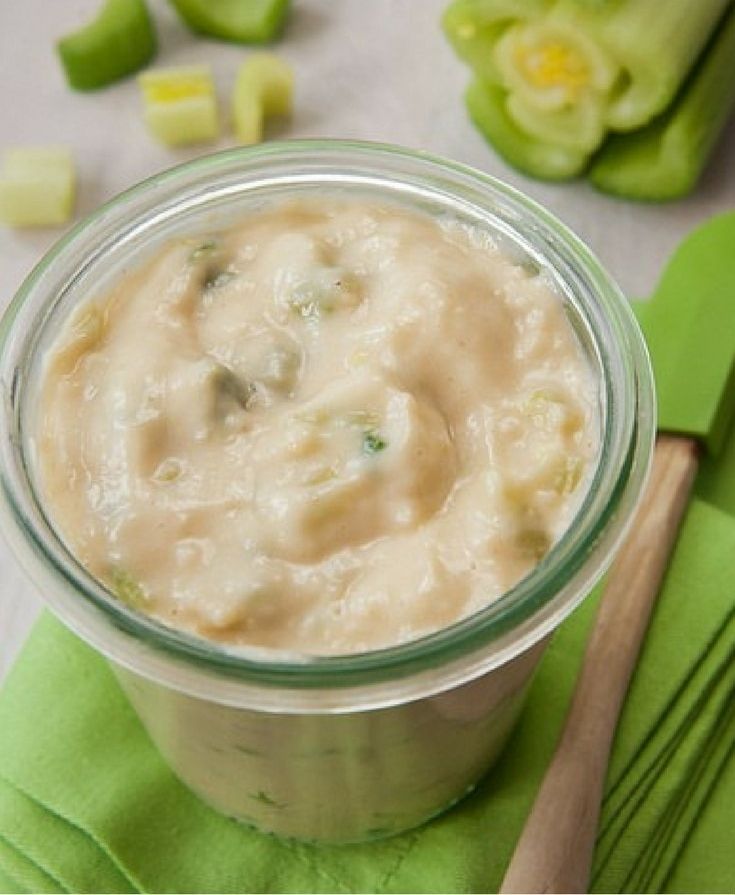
[86,804]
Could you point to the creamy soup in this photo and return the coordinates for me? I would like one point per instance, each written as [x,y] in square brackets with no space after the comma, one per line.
[332,428]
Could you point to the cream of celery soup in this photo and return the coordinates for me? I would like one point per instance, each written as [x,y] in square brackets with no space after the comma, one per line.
[332,428]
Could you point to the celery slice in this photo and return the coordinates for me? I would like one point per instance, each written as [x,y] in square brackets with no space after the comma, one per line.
[486,104]
[664,160]
[552,65]
[264,86]
[180,104]
[241,21]
[558,83]
[37,186]
[119,41]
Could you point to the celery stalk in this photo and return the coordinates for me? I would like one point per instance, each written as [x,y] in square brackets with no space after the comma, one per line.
[119,41]
[264,86]
[486,104]
[664,160]
[241,21]
[654,43]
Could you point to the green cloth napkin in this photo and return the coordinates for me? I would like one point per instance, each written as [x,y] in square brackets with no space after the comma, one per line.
[87,805]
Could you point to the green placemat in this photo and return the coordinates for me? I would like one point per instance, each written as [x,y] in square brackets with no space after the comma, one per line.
[86,804]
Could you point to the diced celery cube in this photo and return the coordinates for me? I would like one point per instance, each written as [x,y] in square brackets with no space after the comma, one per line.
[264,87]
[180,104]
[37,186]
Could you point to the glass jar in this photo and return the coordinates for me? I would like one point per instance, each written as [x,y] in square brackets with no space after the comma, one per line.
[340,748]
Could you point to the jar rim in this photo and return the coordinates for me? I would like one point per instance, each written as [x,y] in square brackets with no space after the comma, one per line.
[517,619]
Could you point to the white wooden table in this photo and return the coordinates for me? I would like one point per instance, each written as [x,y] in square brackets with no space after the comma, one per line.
[378,71]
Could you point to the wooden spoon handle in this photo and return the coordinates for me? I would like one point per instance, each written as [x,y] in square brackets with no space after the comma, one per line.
[554,852]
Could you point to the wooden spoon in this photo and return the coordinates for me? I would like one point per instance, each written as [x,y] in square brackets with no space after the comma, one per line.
[554,853]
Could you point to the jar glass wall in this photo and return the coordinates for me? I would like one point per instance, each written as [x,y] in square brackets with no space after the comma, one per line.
[400,732]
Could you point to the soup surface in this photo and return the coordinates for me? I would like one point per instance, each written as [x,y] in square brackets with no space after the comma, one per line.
[332,428]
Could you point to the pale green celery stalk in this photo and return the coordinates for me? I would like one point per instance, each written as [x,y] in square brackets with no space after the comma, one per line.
[664,160]
[655,42]
[474,26]
[264,86]
[486,103]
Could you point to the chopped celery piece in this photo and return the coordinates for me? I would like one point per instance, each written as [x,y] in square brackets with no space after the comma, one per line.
[203,250]
[373,442]
[280,369]
[241,21]
[327,291]
[168,471]
[215,279]
[486,104]
[321,475]
[119,41]
[180,104]
[533,543]
[127,589]
[230,392]
[264,86]
[568,475]
[664,160]
[37,186]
